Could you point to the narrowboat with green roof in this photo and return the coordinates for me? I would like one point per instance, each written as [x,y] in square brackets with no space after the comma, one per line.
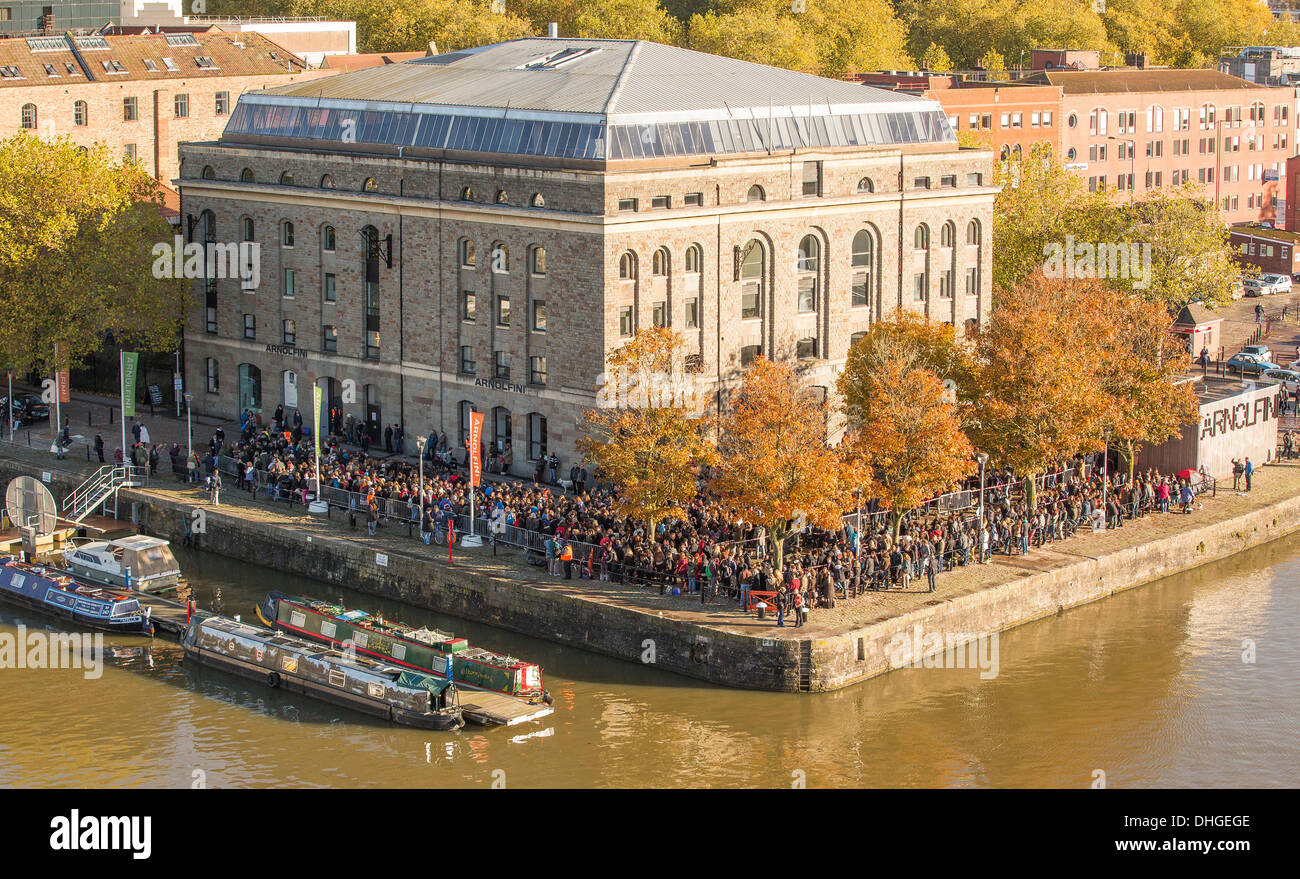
[379,689]
[424,649]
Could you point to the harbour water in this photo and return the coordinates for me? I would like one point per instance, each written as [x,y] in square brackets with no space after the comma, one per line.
[1191,681]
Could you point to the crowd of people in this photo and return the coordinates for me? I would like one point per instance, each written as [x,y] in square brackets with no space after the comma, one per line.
[710,552]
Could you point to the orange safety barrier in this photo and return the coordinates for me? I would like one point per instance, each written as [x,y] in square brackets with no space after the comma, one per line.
[751,602]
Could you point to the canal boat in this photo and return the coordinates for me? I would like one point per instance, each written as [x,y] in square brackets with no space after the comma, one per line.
[423,649]
[301,666]
[58,594]
[135,562]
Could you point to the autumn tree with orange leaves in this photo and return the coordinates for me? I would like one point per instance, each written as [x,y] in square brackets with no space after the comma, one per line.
[904,424]
[646,435]
[1039,361]
[777,469]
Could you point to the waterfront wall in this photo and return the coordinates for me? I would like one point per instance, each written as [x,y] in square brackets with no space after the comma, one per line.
[739,660]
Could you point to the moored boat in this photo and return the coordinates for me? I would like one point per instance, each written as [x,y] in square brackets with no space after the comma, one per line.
[424,649]
[301,666]
[56,593]
[135,562]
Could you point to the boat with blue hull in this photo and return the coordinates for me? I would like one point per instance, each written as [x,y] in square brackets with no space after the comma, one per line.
[58,594]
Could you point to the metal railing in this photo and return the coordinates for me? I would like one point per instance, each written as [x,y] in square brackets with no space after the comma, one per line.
[102,484]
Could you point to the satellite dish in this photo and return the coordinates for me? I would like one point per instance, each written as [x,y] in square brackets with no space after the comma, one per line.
[30,504]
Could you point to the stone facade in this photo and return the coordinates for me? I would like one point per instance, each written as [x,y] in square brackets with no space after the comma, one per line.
[585,223]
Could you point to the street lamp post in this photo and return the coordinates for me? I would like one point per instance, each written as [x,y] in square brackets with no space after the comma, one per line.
[189,427]
[419,445]
[983,459]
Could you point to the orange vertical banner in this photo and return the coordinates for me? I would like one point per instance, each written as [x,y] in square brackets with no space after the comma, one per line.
[474,443]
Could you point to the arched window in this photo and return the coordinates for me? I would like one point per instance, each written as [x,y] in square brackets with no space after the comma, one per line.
[1208,112]
[865,185]
[538,201]
[536,436]
[286,234]
[864,258]
[659,263]
[752,263]
[500,428]
[326,182]
[808,265]
[502,197]
[1005,153]
[537,260]
[370,185]
[467,194]
[694,257]
[327,238]
[247,224]
[1015,152]
[466,407]
[246,176]
[209,173]
[467,254]
[29,116]
[973,232]
[948,235]
[921,240]
[286,179]
[80,116]
[755,193]
[209,223]
[627,267]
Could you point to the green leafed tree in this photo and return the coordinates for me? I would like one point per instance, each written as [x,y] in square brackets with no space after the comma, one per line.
[77,230]
[935,59]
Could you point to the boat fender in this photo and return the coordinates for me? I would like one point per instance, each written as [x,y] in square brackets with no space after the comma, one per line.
[273,680]
[546,697]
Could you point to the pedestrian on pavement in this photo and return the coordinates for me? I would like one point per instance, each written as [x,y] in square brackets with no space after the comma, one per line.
[1249,471]
[99,446]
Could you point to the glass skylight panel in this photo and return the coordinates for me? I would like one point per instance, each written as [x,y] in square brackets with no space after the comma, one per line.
[181,40]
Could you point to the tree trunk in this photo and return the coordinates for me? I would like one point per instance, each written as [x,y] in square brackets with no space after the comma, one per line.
[776,532]
[1031,490]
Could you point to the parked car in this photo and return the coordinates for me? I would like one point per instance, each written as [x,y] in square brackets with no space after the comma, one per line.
[1254,287]
[27,408]
[1259,352]
[1238,290]
[1288,378]
[1248,365]
[1277,283]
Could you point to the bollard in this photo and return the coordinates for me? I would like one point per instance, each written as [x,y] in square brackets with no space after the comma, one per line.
[110,414]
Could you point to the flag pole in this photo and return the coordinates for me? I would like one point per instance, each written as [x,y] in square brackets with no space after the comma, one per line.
[121,372]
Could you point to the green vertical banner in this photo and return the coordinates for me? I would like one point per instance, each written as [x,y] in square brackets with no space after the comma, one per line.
[315,406]
[129,361]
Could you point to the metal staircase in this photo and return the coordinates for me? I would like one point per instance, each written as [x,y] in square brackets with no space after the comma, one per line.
[97,490]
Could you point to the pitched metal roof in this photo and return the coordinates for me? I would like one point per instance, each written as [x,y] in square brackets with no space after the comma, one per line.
[588,99]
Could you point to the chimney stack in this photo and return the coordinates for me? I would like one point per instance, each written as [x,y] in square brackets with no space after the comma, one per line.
[553,30]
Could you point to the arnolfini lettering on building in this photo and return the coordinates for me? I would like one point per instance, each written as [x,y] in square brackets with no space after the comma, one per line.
[474,231]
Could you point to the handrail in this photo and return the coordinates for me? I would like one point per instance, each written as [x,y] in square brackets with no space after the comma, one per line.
[101,485]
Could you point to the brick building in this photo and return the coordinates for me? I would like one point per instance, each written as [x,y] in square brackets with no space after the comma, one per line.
[476,230]
[140,94]
[1131,131]
[1272,251]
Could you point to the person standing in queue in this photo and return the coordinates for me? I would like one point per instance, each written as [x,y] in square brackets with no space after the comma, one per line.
[566,559]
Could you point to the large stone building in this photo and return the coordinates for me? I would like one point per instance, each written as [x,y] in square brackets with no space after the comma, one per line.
[139,94]
[476,230]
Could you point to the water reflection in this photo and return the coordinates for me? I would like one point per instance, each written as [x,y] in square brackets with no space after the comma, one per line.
[1149,687]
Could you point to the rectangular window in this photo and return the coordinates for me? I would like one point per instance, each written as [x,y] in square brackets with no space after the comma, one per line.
[539,315]
[749,354]
[537,370]
[213,378]
[288,283]
[859,289]
[1047,118]
[1006,120]
[467,365]
[250,326]
[330,294]
[290,331]
[972,281]
[537,260]
[807,294]
[182,106]
[330,339]
[812,178]
[806,349]
[627,204]
[986,121]
[1035,119]
[469,305]
[660,202]
[210,319]
[128,152]
[693,199]
[949,181]
[750,300]
[130,110]
[503,311]
[625,321]
[223,103]
[921,183]
[975,179]
[1017,120]
[536,436]
[945,284]
[920,286]
[659,314]
[501,365]
[974,121]
[692,313]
